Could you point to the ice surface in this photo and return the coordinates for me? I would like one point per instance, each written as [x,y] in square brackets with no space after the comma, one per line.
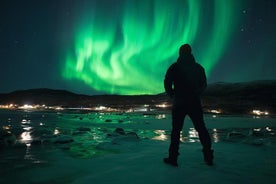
[40,147]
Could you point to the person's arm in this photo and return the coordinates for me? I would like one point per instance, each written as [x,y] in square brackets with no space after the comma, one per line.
[203,82]
[168,82]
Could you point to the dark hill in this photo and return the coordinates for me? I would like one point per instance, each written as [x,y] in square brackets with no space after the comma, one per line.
[235,97]
[231,97]
[40,96]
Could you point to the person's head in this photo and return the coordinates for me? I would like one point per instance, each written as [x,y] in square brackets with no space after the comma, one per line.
[185,49]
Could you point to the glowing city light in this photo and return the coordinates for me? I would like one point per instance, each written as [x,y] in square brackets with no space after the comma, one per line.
[59,108]
[161,105]
[215,111]
[100,108]
[259,112]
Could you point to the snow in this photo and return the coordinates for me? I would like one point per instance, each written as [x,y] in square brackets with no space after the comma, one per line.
[245,150]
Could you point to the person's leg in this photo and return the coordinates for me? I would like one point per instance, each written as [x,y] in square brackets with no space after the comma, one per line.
[196,115]
[177,125]
[204,137]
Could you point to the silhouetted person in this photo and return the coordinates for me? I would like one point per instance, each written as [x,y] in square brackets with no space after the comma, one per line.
[184,82]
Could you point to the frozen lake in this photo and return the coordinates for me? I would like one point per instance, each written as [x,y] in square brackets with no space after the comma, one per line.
[77,147]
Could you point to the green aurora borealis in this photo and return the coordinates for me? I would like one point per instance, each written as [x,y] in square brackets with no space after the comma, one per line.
[126,47]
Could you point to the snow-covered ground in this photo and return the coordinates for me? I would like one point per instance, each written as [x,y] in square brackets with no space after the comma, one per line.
[39,147]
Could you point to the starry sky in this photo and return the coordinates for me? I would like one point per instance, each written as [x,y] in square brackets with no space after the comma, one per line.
[125,46]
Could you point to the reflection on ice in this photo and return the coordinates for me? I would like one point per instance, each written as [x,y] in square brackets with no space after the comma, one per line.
[26,137]
[185,136]
[160,116]
[56,131]
[24,121]
[268,129]
[161,135]
[27,128]
[86,134]
[193,135]
[215,136]
[7,128]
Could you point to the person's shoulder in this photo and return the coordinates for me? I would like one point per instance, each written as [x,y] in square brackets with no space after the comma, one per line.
[174,65]
[199,66]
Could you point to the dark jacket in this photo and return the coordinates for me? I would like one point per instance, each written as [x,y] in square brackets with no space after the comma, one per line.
[185,79]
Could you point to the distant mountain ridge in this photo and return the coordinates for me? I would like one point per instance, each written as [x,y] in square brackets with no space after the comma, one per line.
[232,97]
[236,97]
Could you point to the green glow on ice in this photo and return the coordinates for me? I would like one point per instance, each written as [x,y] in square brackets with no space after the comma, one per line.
[127,49]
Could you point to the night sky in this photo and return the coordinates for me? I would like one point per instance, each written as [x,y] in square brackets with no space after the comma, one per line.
[125,46]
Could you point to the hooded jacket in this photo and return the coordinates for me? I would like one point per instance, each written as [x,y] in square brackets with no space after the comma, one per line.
[185,79]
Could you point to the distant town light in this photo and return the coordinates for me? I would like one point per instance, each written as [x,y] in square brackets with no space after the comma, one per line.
[26,106]
[161,105]
[215,111]
[58,108]
[141,109]
[100,108]
[259,112]
[9,106]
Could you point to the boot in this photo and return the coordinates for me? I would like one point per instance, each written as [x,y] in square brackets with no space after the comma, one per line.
[171,161]
[208,156]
